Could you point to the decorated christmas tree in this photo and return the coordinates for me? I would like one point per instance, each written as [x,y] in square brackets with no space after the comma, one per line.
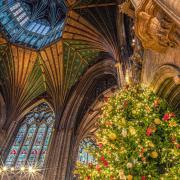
[138,138]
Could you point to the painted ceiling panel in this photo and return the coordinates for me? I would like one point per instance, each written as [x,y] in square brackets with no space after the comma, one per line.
[22,79]
[77,57]
[64,53]
[63,64]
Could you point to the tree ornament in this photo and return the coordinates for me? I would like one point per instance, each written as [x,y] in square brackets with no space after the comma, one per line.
[129,165]
[143,178]
[105,163]
[112,136]
[121,172]
[157,121]
[124,132]
[166,117]
[102,158]
[142,145]
[129,177]
[149,131]
[151,144]
[132,130]
[154,154]
[122,175]
[172,124]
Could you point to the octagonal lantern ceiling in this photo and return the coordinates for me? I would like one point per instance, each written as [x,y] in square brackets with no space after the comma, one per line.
[34,23]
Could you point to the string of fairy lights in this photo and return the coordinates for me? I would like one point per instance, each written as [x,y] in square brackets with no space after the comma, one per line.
[29,172]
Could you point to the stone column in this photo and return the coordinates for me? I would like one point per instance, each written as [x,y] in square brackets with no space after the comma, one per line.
[58,155]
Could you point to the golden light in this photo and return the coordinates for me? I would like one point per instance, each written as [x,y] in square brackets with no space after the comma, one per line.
[22,168]
[4,168]
[12,169]
[127,78]
[31,169]
[0,171]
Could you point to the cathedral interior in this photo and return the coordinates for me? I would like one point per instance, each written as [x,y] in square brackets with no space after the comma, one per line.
[60,59]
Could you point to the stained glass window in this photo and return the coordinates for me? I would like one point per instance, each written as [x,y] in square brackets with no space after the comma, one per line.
[83,155]
[35,27]
[30,145]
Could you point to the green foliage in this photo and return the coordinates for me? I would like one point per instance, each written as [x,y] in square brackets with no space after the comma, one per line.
[138,138]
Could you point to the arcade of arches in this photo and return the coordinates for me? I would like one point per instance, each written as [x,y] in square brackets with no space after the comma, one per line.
[60,59]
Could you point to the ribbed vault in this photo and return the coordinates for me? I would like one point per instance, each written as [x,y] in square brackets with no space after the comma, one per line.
[21,79]
[27,74]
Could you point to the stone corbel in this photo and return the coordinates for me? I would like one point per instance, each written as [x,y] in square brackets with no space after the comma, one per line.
[154,28]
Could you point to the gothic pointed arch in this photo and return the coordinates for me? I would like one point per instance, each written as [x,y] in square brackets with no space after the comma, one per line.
[166,83]
[32,138]
[86,91]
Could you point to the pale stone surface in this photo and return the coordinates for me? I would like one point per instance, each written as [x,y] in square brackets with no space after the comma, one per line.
[172,7]
[154,60]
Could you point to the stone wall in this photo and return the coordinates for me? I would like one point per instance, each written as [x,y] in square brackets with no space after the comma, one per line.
[153,61]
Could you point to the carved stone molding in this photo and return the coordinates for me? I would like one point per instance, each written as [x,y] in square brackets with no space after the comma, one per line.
[126,8]
[155,28]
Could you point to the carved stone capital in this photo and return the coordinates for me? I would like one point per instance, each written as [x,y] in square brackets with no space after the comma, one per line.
[154,27]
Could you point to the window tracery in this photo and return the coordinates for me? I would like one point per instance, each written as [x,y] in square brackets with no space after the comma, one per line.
[30,145]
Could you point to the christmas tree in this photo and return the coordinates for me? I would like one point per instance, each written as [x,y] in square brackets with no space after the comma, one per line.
[138,138]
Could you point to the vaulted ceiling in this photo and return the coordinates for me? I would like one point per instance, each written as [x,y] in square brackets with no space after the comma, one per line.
[28,70]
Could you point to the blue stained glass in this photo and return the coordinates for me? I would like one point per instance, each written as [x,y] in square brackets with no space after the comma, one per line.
[26,146]
[22,156]
[16,145]
[48,136]
[43,156]
[40,135]
[83,155]
[38,143]
[44,21]
[20,136]
[31,142]
[30,135]
[45,147]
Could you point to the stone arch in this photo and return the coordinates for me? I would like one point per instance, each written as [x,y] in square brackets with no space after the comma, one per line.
[165,86]
[64,138]
[13,129]
[33,105]
[103,68]
[89,125]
